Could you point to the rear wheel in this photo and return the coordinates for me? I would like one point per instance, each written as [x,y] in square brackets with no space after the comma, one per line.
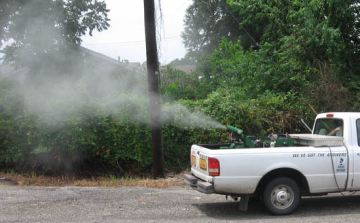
[281,196]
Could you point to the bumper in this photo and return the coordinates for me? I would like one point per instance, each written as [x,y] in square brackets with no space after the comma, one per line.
[198,184]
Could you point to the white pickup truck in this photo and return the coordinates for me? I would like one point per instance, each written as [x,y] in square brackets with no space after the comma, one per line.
[325,161]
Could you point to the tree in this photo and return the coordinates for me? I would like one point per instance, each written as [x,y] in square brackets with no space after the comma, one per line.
[37,30]
[176,84]
[271,17]
[319,27]
[206,22]
[310,48]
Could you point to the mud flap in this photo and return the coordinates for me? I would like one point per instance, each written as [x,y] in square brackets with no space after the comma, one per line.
[243,204]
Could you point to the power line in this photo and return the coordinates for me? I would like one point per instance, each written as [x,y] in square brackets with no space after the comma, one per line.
[126,42]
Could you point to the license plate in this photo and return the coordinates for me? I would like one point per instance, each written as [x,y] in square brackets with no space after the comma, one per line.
[203,164]
[193,160]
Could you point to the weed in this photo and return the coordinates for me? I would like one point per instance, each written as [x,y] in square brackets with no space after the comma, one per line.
[113,178]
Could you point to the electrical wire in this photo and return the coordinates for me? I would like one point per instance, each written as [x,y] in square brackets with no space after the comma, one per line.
[125,43]
[333,168]
[347,164]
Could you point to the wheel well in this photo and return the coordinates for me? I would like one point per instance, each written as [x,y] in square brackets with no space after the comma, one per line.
[295,175]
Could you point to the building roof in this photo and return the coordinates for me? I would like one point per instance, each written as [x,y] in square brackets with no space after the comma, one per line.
[186,68]
[133,66]
[9,70]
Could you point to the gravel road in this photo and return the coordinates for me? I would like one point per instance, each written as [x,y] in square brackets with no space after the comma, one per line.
[137,204]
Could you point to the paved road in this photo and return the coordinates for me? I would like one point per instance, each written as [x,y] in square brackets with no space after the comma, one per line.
[130,204]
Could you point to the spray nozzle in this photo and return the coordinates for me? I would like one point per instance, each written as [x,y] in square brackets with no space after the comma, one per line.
[233,129]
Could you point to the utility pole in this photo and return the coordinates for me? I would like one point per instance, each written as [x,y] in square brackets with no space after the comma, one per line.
[153,83]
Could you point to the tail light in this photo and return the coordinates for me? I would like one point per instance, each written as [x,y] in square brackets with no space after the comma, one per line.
[214,167]
[193,160]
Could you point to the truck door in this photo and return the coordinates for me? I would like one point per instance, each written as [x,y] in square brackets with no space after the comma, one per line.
[338,155]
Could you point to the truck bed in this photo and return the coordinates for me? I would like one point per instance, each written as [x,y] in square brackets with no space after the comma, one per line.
[299,141]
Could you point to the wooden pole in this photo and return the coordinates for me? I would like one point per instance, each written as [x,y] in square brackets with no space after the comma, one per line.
[153,83]
[311,107]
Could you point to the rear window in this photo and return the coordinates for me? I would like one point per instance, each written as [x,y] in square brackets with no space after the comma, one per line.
[332,127]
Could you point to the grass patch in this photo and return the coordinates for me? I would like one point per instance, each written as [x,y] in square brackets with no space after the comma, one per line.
[33,179]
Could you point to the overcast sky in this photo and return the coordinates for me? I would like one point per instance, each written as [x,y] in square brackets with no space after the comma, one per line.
[126,35]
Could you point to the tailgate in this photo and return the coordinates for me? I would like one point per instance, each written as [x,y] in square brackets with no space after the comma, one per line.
[199,163]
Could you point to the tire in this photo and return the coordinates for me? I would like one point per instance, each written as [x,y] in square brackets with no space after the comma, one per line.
[281,196]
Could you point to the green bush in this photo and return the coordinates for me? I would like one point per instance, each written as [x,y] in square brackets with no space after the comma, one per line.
[268,113]
[89,137]
[95,138]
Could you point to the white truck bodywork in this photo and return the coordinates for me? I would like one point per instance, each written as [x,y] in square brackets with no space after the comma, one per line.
[242,169]
[324,169]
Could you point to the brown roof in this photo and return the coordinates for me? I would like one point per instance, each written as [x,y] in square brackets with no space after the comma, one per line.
[186,68]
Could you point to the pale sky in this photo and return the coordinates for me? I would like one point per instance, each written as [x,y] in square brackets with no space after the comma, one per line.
[126,35]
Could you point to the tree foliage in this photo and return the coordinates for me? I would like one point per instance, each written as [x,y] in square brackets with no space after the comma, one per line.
[306,47]
[37,29]
[176,84]
[311,30]
[206,22]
